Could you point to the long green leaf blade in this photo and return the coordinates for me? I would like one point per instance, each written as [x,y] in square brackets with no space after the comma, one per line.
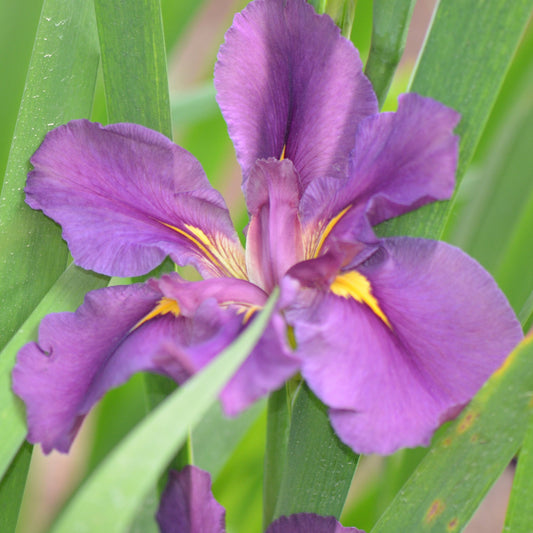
[134,66]
[519,517]
[134,63]
[59,87]
[389,32]
[109,499]
[12,489]
[464,462]
[309,484]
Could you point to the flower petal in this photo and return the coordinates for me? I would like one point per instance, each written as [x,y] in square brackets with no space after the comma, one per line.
[270,363]
[126,197]
[401,161]
[287,82]
[187,504]
[307,523]
[274,236]
[55,378]
[451,327]
[406,159]
[117,332]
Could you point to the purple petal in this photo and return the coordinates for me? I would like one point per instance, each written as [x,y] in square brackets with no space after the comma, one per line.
[274,236]
[286,78]
[406,159]
[55,377]
[309,523]
[126,197]
[401,161]
[451,327]
[269,364]
[114,334]
[188,506]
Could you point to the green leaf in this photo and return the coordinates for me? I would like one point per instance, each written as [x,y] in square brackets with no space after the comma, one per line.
[461,67]
[66,295]
[496,197]
[109,499]
[308,484]
[519,517]
[389,33]
[12,489]
[238,488]
[134,63]
[59,87]
[212,454]
[18,23]
[461,466]
[277,438]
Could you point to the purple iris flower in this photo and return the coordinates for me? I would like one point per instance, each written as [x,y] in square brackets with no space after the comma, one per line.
[395,335]
[188,506]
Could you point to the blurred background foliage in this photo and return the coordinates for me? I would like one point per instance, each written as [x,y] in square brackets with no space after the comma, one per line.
[491,219]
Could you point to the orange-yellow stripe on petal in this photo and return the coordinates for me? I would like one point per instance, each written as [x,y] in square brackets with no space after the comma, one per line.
[354,285]
[224,260]
[327,230]
[163,307]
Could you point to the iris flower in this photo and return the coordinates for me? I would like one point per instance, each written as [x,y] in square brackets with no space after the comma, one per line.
[394,335]
[188,506]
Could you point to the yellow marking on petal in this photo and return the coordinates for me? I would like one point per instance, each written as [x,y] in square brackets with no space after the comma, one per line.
[354,285]
[282,156]
[243,308]
[164,306]
[222,261]
[327,230]
[248,313]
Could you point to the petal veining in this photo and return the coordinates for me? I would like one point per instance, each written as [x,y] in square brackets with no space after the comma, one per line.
[288,83]
[392,387]
[126,197]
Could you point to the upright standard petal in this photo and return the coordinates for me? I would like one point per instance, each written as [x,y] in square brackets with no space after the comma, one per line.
[401,161]
[392,379]
[187,504]
[126,197]
[274,234]
[289,85]
[309,523]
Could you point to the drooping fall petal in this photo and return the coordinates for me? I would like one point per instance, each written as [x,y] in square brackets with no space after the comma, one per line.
[170,327]
[392,379]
